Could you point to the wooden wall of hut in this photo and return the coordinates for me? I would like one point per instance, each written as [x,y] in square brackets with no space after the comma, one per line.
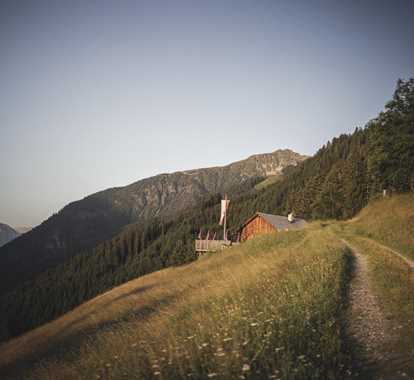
[256,226]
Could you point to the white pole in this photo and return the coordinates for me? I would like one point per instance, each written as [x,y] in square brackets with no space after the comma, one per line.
[225,218]
[225,222]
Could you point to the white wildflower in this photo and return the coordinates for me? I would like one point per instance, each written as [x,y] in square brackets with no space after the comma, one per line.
[245,368]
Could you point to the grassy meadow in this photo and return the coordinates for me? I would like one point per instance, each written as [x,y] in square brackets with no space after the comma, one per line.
[389,221]
[273,307]
[269,308]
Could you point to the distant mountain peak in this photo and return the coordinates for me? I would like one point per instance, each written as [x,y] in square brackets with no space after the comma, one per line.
[271,164]
[7,234]
[23,229]
[85,223]
[279,159]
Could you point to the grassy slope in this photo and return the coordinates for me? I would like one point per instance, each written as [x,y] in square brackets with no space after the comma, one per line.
[270,306]
[393,284]
[390,221]
[267,182]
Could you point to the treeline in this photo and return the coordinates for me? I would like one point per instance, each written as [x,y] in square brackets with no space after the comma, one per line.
[335,183]
[78,226]
[137,250]
[84,224]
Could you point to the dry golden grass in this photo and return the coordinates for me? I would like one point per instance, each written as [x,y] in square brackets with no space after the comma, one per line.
[269,307]
[140,296]
[389,221]
[103,309]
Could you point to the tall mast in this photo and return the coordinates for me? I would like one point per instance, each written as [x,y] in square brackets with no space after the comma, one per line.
[225,219]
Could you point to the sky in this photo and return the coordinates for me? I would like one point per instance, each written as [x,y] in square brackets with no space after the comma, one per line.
[97,94]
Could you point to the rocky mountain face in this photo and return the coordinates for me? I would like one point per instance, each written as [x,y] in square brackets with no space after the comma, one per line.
[83,224]
[166,194]
[7,234]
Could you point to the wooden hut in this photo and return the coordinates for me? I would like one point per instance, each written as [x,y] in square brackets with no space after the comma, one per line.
[261,223]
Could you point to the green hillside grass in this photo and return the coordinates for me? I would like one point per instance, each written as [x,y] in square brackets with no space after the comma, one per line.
[270,307]
[393,283]
[390,221]
[267,182]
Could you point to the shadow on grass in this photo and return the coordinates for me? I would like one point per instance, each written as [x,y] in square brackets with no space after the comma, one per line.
[70,345]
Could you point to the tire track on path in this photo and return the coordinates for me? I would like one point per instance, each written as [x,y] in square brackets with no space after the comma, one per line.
[367,326]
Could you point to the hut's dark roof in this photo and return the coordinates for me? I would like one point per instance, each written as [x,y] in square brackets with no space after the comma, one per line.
[279,222]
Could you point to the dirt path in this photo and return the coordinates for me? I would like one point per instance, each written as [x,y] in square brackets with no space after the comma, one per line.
[368,328]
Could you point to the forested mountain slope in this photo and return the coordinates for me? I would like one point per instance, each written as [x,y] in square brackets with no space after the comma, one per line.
[335,183]
[83,224]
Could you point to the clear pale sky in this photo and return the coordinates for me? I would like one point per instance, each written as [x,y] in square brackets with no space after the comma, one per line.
[96,94]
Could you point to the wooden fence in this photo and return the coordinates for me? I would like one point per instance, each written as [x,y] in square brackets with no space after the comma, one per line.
[202,246]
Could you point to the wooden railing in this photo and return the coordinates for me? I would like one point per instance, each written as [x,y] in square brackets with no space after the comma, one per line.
[211,245]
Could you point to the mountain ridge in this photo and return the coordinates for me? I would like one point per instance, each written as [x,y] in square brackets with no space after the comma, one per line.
[23,229]
[83,224]
[7,234]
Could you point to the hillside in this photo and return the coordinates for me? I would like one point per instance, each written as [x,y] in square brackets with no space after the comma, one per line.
[206,308]
[83,224]
[395,230]
[279,305]
[383,310]
[7,234]
[337,182]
